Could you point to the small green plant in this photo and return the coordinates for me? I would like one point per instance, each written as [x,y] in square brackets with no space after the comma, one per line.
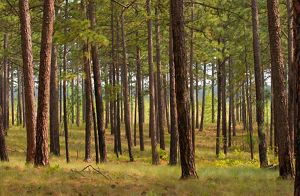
[53,169]
[163,155]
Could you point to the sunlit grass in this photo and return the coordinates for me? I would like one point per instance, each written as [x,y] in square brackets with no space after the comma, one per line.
[235,174]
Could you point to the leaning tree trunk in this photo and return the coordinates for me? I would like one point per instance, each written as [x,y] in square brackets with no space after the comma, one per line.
[28,79]
[259,84]
[42,155]
[280,95]
[187,155]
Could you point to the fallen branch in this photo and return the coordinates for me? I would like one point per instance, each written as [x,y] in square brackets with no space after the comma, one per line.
[89,168]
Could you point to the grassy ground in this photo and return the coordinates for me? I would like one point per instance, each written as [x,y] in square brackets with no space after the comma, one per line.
[234,175]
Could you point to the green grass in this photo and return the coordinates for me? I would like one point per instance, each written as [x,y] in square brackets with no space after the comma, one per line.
[235,174]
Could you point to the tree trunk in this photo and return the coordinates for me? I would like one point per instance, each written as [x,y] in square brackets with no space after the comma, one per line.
[249,106]
[192,79]
[160,92]
[42,155]
[65,117]
[296,38]
[224,119]
[259,84]
[19,109]
[140,97]
[97,84]
[197,96]
[3,149]
[152,122]
[77,99]
[54,121]
[291,73]
[5,85]
[203,97]
[28,74]
[173,108]
[12,97]
[230,102]
[119,94]
[219,107]
[88,107]
[212,93]
[280,99]
[187,156]
[72,100]
[125,90]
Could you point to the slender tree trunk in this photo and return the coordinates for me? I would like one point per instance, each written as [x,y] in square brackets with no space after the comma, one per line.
[187,156]
[272,118]
[203,97]
[280,99]
[219,107]
[65,117]
[173,108]
[160,92]
[19,100]
[249,106]
[152,122]
[5,84]
[224,119]
[230,102]
[77,99]
[54,121]
[83,100]
[72,100]
[192,78]
[12,97]
[119,94]
[259,84]
[125,90]
[88,112]
[213,93]
[140,97]
[97,84]
[112,81]
[3,149]
[42,155]
[197,96]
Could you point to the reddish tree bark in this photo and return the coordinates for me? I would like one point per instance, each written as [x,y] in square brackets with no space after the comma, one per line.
[42,155]
[187,156]
[280,95]
[28,75]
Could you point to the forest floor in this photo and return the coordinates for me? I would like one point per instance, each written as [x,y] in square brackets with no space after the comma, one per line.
[235,174]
